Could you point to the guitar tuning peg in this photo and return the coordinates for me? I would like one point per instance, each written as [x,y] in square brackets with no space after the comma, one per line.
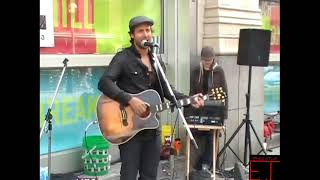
[223,100]
[218,97]
[214,98]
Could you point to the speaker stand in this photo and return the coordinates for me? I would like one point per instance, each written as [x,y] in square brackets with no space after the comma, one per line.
[248,124]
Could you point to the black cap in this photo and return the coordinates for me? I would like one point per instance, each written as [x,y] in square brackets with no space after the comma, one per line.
[139,20]
[207,53]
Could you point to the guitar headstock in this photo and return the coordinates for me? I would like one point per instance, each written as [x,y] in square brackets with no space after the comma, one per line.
[217,94]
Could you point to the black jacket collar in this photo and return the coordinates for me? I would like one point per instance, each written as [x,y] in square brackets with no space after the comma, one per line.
[136,52]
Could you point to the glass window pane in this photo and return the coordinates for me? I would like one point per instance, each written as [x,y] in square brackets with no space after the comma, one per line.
[97,26]
[272,88]
[271,20]
[73,108]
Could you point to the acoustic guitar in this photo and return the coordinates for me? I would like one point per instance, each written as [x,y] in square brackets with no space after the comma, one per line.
[119,124]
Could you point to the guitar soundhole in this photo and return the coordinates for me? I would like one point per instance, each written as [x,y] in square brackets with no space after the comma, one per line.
[146,113]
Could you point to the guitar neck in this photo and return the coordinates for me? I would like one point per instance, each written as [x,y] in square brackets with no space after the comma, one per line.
[181,102]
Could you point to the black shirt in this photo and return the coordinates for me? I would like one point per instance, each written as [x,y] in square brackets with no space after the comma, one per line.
[152,78]
[126,74]
[205,81]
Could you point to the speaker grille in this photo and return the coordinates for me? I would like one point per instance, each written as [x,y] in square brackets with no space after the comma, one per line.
[254,47]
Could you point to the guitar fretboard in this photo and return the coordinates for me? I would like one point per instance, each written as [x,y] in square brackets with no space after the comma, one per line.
[217,97]
[181,102]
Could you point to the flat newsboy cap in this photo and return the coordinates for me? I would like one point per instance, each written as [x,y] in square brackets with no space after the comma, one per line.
[207,53]
[139,20]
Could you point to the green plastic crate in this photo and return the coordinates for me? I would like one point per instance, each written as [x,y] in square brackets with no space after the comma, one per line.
[97,162]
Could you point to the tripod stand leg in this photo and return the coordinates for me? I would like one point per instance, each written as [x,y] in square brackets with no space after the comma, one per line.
[257,138]
[250,147]
[49,153]
[235,155]
[246,141]
[188,157]
[231,138]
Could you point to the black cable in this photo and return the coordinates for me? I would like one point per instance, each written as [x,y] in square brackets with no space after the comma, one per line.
[222,165]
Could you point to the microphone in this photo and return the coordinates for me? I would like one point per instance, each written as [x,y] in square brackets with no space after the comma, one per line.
[145,43]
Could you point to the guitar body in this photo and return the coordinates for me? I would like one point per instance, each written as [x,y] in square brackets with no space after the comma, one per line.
[119,124]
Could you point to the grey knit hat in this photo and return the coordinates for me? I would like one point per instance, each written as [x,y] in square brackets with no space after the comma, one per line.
[207,53]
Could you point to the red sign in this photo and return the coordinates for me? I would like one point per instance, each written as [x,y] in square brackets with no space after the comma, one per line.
[275,24]
[74,33]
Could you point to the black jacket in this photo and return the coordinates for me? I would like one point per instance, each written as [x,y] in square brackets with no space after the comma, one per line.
[215,79]
[127,74]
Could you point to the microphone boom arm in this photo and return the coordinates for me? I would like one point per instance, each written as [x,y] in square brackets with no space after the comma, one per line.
[154,56]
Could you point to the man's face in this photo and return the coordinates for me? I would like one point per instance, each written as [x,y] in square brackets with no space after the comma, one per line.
[141,32]
[207,63]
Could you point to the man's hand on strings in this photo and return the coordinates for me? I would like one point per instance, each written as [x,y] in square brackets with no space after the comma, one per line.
[139,107]
[199,102]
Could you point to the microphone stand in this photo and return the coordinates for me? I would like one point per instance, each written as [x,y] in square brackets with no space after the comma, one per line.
[49,120]
[155,58]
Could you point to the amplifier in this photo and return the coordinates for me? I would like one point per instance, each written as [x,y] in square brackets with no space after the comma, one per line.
[210,114]
[204,120]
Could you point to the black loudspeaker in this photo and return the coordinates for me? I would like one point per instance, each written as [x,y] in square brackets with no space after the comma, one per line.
[254,47]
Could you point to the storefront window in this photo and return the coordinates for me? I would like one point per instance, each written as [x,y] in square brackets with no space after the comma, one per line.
[84,27]
[97,26]
[272,88]
[271,21]
[73,108]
